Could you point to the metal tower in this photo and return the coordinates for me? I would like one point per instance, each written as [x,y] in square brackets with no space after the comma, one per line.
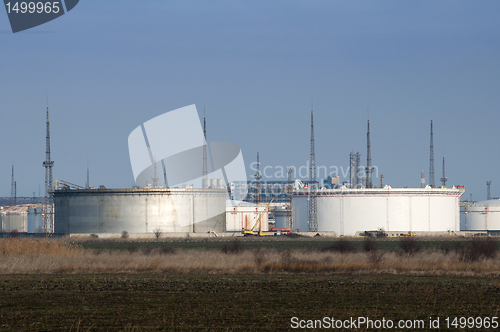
[155,177]
[289,219]
[443,178]
[488,195]
[313,208]
[88,175]
[257,182]
[368,159]
[357,161]
[431,162]
[13,190]
[351,170]
[382,180]
[48,164]
[205,153]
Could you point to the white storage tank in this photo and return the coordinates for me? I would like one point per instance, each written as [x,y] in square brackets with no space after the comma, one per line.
[241,215]
[281,214]
[480,216]
[139,210]
[14,218]
[347,211]
[35,219]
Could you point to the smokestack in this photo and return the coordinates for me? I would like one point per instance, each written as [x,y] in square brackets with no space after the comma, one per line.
[422,180]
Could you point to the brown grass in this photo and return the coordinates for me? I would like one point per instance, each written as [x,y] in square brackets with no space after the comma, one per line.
[32,256]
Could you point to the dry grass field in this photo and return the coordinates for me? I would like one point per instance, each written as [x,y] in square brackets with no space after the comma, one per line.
[52,285]
[42,256]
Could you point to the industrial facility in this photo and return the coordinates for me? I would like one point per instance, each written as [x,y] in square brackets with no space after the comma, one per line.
[349,208]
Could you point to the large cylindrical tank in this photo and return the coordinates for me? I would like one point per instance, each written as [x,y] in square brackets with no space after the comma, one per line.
[14,218]
[35,219]
[349,211]
[480,216]
[281,215]
[246,215]
[139,210]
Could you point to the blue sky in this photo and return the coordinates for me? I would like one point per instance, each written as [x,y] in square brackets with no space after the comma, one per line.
[109,66]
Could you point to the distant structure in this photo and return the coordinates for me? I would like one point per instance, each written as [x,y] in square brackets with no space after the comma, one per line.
[155,177]
[354,160]
[13,190]
[488,193]
[313,222]
[87,185]
[431,162]
[205,154]
[382,180]
[368,160]
[443,178]
[289,219]
[48,164]
[422,180]
[257,182]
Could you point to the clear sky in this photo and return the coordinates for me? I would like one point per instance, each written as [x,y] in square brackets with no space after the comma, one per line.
[109,66]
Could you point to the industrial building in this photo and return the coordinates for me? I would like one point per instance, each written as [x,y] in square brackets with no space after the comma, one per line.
[348,211]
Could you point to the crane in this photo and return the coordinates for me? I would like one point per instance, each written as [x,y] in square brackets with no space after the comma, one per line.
[246,231]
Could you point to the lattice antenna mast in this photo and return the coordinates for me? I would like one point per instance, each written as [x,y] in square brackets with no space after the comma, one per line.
[88,175]
[488,193]
[289,219]
[368,159]
[351,169]
[357,160]
[48,164]
[155,177]
[257,182]
[313,208]
[205,152]
[443,178]
[13,190]
[431,162]
[382,180]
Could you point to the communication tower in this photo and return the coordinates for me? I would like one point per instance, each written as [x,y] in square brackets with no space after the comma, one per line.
[313,222]
[431,162]
[48,164]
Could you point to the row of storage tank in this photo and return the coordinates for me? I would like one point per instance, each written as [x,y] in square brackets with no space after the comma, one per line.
[342,211]
[26,218]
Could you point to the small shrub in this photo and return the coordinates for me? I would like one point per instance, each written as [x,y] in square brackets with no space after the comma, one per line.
[232,248]
[259,256]
[146,250]
[286,257]
[124,235]
[157,233]
[478,248]
[166,250]
[447,246]
[370,244]
[409,246]
[94,236]
[375,256]
[14,233]
[343,246]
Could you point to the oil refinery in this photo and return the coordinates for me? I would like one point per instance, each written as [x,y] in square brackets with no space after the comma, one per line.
[331,208]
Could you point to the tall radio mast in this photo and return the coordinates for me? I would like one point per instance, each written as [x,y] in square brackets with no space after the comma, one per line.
[48,164]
